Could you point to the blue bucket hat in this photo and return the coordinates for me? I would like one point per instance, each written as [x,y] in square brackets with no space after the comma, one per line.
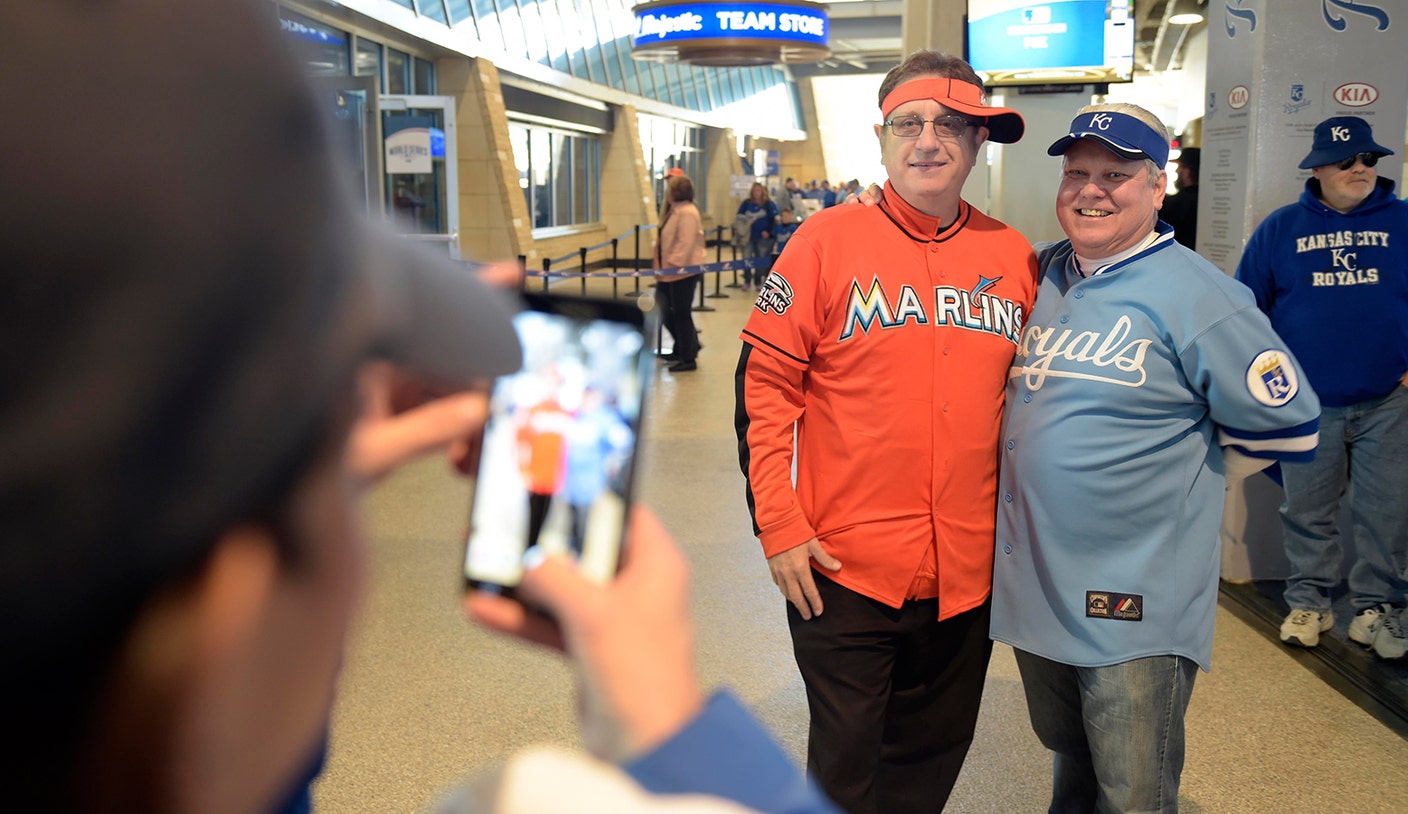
[1121,133]
[1339,138]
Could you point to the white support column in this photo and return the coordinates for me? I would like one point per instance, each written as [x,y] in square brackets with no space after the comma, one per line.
[1275,70]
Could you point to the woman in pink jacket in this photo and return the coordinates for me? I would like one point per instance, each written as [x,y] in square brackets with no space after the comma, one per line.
[681,243]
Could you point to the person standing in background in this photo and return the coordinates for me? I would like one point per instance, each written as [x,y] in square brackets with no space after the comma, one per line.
[681,244]
[1180,210]
[1331,272]
[761,214]
[874,363]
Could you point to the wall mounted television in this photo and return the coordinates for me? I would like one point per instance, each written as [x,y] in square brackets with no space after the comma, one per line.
[1057,42]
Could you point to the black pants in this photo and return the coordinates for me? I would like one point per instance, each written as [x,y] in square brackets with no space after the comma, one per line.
[677,315]
[893,696]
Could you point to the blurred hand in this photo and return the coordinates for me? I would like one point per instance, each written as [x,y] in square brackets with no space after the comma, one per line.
[871,195]
[792,573]
[633,639]
[402,419]
[504,273]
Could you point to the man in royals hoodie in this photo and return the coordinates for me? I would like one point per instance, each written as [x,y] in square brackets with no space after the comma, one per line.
[1331,273]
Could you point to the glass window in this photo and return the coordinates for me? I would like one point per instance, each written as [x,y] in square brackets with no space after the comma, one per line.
[434,9]
[518,140]
[562,179]
[540,173]
[486,17]
[559,171]
[593,45]
[425,77]
[459,11]
[369,59]
[538,41]
[398,71]
[668,143]
[324,49]
[709,91]
[515,43]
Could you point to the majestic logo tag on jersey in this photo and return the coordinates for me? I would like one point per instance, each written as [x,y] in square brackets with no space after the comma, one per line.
[975,310]
[1110,605]
[1270,380]
[776,295]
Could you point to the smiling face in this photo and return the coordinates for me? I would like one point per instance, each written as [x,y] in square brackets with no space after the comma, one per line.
[928,171]
[1342,190]
[1106,203]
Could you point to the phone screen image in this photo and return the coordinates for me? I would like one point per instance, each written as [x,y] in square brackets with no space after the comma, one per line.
[559,449]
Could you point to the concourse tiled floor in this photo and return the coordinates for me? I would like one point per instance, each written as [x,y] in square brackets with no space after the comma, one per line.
[426,698]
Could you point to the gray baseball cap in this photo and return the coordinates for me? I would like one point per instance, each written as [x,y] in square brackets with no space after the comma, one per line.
[186,288]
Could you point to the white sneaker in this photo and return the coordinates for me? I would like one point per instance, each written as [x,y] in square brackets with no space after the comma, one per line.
[1391,639]
[1303,627]
[1367,622]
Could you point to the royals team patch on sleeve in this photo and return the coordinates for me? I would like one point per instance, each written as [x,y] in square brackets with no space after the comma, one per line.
[1271,380]
[1110,605]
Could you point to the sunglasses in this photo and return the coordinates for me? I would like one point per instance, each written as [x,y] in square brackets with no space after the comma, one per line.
[1368,159]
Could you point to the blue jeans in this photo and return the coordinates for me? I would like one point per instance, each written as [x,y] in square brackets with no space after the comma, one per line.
[762,247]
[1364,445]
[1117,731]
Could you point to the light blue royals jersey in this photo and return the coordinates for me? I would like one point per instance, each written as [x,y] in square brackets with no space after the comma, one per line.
[1125,388]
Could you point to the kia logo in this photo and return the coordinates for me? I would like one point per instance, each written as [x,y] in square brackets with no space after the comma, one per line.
[1237,97]
[1356,94]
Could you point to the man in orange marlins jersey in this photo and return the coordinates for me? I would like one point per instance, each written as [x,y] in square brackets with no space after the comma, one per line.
[884,336]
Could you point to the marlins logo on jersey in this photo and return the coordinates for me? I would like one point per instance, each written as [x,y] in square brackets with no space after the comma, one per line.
[775,296]
[975,310]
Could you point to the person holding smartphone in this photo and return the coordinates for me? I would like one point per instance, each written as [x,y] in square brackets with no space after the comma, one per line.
[190,418]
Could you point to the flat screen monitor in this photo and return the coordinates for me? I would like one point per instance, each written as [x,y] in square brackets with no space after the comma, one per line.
[1066,42]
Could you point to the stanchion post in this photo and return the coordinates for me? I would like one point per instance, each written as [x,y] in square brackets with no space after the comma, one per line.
[733,251]
[614,268]
[635,266]
[582,267]
[547,267]
[522,272]
[718,258]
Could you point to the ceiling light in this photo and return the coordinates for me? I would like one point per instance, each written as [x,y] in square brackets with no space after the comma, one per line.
[1186,19]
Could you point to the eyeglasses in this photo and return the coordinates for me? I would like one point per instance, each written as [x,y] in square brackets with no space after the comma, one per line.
[1368,159]
[945,127]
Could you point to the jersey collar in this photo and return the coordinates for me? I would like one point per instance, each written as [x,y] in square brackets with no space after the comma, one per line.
[916,225]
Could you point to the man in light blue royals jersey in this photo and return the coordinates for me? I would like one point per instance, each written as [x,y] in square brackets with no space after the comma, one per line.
[1331,273]
[1145,379]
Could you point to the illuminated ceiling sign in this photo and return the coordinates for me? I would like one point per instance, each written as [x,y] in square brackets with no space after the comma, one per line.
[728,34]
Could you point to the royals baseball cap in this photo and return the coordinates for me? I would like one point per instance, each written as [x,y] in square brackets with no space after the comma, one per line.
[1338,138]
[188,290]
[1121,133]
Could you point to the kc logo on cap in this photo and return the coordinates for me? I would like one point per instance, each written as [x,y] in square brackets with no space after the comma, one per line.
[1340,137]
[1123,134]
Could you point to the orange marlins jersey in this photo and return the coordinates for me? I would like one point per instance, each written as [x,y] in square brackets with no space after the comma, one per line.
[886,343]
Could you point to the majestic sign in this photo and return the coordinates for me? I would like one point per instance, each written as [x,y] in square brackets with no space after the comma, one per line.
[717,33]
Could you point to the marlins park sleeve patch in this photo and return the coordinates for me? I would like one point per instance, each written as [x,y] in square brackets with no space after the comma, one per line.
[1270,380]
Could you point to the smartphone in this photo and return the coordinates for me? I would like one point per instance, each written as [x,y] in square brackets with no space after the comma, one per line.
[558,458]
